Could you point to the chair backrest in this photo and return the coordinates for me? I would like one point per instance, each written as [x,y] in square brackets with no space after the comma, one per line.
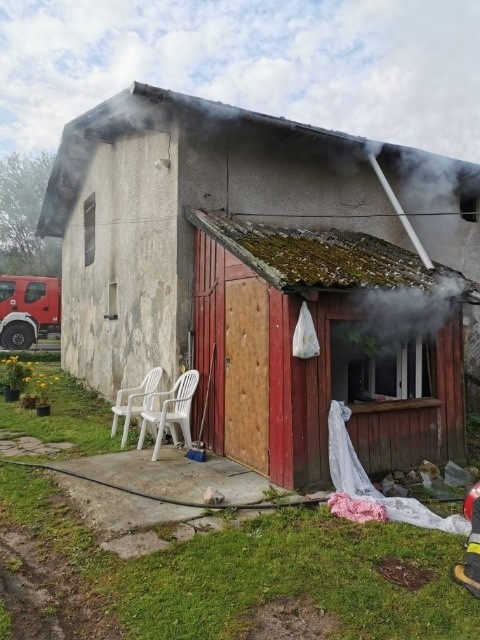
[151,381]
[185,387]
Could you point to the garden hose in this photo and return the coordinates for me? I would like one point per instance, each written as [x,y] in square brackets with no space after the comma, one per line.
[180,503]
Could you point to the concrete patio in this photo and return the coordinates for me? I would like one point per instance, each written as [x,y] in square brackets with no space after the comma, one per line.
[120,519]
[173,476]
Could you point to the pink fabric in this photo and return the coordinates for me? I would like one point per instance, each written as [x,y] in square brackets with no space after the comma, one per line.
[358,510]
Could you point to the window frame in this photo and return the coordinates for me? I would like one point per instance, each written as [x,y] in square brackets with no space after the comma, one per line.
[89,207]
[423,381]
[35,286]
[465,201]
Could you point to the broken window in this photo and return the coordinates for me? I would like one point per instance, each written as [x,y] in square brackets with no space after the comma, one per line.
[364,368]
[89,227]
[468,207]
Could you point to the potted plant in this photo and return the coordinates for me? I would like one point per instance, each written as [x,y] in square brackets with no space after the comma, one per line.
[15,377]
[42,385]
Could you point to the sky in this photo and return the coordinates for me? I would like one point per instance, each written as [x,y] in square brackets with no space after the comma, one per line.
[399,71]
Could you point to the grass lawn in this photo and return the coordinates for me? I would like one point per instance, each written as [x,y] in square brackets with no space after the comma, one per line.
[210,587]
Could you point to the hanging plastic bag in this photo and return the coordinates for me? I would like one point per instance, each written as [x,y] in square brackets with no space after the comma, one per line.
[305,341]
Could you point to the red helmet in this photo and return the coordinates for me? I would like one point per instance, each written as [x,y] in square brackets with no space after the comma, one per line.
[470,499]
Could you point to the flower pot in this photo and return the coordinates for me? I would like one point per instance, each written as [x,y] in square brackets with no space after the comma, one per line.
[11,395]
[43,410]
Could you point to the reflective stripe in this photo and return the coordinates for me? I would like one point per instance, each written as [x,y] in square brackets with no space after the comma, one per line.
[473,547]
[474,537]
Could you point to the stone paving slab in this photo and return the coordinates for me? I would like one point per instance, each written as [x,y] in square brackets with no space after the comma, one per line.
[19,445]
[135,544]
[62,446]
[28,440]
[14,451]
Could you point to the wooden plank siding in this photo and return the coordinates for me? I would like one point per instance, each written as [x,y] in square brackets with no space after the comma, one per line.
[280,438]
[206,327]
[389,435]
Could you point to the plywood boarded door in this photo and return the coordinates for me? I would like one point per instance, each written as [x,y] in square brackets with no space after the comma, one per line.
[246,373]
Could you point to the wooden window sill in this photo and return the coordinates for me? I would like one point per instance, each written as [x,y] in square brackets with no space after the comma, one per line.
[394,405]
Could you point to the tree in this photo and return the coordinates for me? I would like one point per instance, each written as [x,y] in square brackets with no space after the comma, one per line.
[23,181]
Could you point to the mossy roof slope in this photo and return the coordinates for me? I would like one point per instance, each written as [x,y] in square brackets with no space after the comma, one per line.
[297,258]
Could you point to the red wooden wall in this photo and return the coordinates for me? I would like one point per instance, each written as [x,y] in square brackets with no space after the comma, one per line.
[300,390]
[209,323]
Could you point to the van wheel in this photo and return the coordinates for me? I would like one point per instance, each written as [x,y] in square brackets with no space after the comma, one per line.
[18,336]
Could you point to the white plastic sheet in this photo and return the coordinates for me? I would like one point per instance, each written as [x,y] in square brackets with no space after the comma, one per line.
[349,476]
[305,341]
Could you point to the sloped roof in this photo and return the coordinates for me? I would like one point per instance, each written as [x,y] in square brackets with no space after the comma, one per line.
[295,259]
[137,109]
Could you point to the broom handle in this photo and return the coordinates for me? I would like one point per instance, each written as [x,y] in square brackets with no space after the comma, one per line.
[206,395]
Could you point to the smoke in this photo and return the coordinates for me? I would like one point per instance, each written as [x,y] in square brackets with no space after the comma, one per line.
[397,315]
[429,184]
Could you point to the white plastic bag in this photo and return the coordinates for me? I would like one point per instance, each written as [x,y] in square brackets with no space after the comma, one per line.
[305,341]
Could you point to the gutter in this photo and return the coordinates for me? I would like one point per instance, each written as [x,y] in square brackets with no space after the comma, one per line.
[401,214]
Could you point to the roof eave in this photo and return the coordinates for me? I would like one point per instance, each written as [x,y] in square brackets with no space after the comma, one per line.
[200,220]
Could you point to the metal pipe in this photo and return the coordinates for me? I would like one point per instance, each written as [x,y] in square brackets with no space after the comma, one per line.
[401,214]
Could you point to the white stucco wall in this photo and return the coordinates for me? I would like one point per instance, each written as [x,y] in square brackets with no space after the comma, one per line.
[135,246]
[292,182]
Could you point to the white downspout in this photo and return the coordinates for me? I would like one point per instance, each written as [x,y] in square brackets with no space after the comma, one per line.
[401,214]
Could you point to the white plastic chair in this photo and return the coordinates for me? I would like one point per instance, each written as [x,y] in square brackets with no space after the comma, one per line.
[149,384]
[179,403]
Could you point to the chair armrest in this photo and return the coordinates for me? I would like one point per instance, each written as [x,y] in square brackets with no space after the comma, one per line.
[135,395]
[176,400]
[155,394]
[126,391]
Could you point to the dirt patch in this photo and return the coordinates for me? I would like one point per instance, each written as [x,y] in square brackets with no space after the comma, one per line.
[403,574]
[45,599]
[291,618]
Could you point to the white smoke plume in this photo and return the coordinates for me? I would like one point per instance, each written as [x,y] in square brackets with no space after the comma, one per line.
[397,315]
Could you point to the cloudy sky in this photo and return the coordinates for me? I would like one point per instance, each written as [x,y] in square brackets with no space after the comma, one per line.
[402,71]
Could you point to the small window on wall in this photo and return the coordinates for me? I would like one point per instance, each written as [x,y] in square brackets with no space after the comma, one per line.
[364,368]
[112,301]
[469,207]
[35,291]
[89,227]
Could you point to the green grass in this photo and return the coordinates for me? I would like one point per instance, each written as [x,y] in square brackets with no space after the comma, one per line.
[209,587]
[78,415]
[5,623]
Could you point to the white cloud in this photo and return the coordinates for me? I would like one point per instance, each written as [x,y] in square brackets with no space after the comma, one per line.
[402,71]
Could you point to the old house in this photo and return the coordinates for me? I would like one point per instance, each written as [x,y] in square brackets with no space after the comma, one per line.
[144,268]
